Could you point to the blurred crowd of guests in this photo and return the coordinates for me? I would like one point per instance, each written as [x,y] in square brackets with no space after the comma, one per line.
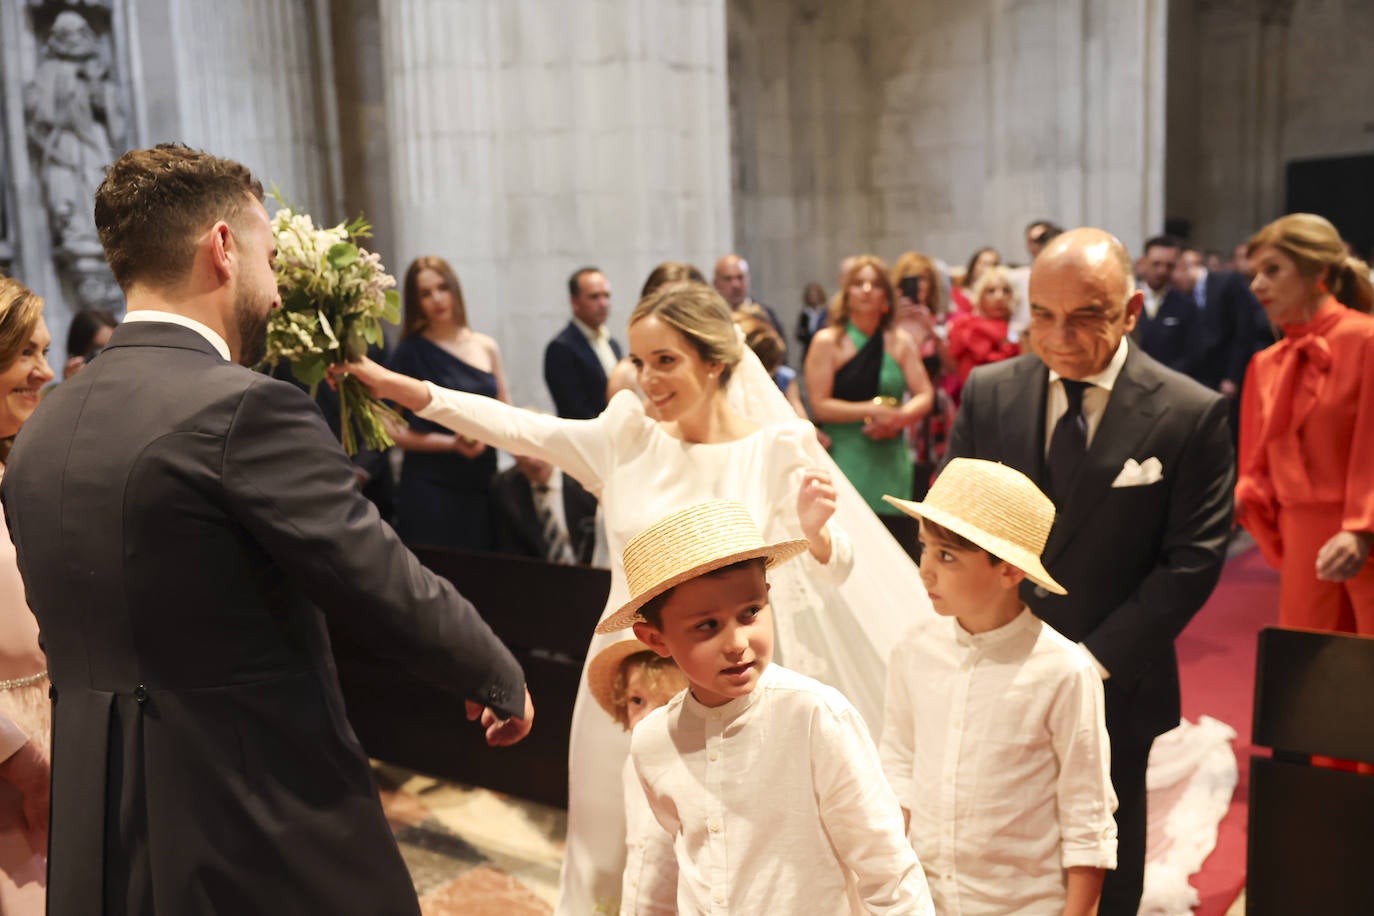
[878,366]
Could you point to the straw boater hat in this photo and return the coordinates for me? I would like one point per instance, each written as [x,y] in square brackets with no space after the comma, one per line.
[605,666]
[686,544]
[994,506]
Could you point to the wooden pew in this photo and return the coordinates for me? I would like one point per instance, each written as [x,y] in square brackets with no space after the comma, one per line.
[545,613]
[1311,836]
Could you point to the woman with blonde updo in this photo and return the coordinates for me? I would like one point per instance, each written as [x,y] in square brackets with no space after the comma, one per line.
[685,350]
[25,710]
[623,376]
[1306,486]
[980,336]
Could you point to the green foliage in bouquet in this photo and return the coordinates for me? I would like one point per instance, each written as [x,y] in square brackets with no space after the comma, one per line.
[335,296]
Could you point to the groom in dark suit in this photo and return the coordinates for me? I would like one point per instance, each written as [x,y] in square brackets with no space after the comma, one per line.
[183,527]
[1139,464]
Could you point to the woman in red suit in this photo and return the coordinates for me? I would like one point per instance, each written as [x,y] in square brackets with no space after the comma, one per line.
[1306,485]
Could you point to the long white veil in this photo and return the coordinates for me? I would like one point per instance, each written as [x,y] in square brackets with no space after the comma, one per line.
[840,634]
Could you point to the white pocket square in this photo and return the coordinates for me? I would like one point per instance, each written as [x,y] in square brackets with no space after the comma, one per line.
[1139,473]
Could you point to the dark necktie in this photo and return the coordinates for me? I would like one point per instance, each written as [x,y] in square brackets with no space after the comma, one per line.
[1069,443]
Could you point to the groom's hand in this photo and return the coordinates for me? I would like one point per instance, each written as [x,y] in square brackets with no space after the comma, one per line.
[503,732]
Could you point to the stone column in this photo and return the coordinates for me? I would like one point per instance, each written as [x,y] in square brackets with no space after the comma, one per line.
[253,83]
[528,139]
[1078,114]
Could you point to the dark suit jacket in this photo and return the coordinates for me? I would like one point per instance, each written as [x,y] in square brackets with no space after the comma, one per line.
[517,523]
[574,374]
[1138,562]
[1233,329]
[183,525]
[1171,336]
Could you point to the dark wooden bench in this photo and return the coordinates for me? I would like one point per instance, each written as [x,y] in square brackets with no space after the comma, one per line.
[1311,837]
[545,614]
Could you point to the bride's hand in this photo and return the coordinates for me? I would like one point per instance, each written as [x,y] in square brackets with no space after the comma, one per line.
[383,383]
[468,448]
[815,502]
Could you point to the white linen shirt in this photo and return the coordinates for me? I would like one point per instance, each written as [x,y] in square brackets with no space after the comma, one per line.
[997,745]
[776,803]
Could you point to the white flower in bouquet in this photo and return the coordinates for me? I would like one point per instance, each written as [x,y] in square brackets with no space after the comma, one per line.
[335,295]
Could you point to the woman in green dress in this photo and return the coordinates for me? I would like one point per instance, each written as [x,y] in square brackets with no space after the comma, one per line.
[867,385]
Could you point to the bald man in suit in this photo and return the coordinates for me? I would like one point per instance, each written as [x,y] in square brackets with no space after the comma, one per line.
[1139,464]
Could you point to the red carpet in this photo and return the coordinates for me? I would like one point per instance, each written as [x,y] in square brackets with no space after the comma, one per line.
[1216,657]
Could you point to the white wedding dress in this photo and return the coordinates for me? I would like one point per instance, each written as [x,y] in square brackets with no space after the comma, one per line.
[836,623]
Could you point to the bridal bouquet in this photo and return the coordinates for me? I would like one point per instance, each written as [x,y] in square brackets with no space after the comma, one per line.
[335,295]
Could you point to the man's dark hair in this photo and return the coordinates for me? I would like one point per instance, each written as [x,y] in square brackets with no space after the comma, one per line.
[154,204]
[84,327]
[1163,241]
[954,539]
[652,610]
[575,281]
[1051,229]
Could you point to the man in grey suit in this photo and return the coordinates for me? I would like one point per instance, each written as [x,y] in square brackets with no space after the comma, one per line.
[1138,461]
[183,526]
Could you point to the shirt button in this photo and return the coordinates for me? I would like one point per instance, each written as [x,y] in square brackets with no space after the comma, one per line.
[714,755]
[715,715]
[713,826]
[719,898]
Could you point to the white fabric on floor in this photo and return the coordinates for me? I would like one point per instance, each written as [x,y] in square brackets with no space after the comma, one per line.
[1190,780]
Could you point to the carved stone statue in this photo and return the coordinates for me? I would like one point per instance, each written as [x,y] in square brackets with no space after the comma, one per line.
[75,122]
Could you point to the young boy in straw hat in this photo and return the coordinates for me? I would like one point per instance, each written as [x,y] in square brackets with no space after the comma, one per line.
[629,680]
[766,780]
[993,732]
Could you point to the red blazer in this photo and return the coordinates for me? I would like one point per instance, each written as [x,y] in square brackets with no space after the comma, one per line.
[1307,425]
[976,341]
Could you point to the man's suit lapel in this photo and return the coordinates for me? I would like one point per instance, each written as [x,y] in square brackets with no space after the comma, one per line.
[1130,416]
[1021,418]
[528,514]
[583,347]
[579,511]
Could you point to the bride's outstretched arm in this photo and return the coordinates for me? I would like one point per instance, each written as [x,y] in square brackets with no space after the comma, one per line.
[583,448]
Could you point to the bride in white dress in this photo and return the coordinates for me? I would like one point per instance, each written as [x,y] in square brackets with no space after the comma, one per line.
[724,430]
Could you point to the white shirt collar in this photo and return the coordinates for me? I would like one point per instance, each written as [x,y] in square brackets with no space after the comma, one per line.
[1010,630]
[591,333]
[1107,377]
[203,330]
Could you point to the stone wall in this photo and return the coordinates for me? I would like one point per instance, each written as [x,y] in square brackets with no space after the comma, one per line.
[250,80]
[886,125]
[528,139]
[1254,85]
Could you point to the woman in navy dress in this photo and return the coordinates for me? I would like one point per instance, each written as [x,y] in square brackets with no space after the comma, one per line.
[443,499]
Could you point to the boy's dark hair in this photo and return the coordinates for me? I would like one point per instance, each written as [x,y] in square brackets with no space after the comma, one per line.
[953,538]
[154,204]
[652,610]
